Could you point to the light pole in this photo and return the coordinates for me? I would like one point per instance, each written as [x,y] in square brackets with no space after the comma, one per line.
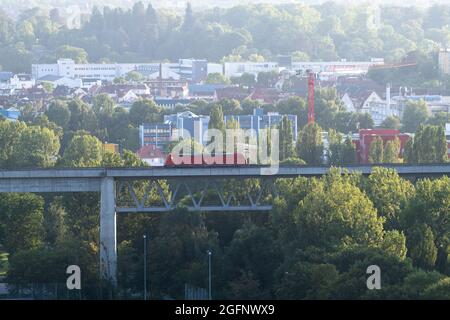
[209,274]
[145,267]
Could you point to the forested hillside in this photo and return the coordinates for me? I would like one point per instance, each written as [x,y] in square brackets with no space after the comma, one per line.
[325,32]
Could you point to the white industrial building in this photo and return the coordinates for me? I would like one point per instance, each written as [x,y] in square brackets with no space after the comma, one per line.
[237,69]
[189,69]
[326,70]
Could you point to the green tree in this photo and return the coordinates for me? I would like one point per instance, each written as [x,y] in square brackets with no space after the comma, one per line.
[54,222]
[309,144]
[389,193]
[246,79]
[144,111]
[83,150]
[340,152]
[267,79]
[10,133]
[415,113]
[286,139]
[217,78]
[426,208]
[59,113]
[81,116]
[37,147]
[21,221]
[216,118]
[392,151]
[336,212]
[422,248]
[376,151]
[134,76]
[429,145]
[391,122]
[79,55]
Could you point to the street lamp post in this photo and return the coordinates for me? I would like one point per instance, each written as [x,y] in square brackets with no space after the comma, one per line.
[145,267]
[209,274]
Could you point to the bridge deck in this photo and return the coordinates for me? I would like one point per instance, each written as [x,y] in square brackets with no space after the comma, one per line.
[190,172]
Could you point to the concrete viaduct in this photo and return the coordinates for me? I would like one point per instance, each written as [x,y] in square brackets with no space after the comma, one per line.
[108,180]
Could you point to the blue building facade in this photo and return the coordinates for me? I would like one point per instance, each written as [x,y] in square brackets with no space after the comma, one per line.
[157,135]
[258,120]
[10,114]
[196,125]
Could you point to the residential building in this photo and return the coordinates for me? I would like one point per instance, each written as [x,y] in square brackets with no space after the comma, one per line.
[370,102]
[258,120]
[205,90]
[168,88]
[56,81]
[9,80]
[122,93]
[151,155]
[231,92]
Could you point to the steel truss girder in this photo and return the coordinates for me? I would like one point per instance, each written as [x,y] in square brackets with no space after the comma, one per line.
[170,200]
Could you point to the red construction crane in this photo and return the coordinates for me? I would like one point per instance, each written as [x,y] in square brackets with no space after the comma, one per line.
[311,79]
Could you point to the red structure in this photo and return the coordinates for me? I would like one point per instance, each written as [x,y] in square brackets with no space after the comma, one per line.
[311,78]
[366,136]
[234,159]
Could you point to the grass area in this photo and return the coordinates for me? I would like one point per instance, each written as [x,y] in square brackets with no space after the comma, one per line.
[3,263]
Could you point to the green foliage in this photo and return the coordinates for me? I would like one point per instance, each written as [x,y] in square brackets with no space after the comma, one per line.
[292,161]
[58,112]
[392,151]
[340,152]
[439,290]
[376,150]
[134,76]
[428,206]
[309,144]
[423,249]
[337,212]
[81,117]
[217,78]
[145,111]
[23,146]
[429,145]
[246,79]
[391,122]
[49,264]
[10,133]
[21,218]
[389,194]
[37,147]
[415,114]
[216,118]
[79,55]
[83,150]
[286,139]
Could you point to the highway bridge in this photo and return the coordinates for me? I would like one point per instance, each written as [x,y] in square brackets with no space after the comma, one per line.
[127,190]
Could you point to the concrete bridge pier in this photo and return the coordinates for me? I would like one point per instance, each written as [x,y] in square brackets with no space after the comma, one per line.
[108,236]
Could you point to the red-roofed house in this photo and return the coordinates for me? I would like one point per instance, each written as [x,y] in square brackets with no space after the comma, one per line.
[151,155]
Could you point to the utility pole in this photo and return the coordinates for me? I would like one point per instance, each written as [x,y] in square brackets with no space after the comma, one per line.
[145,267]
[209,274]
